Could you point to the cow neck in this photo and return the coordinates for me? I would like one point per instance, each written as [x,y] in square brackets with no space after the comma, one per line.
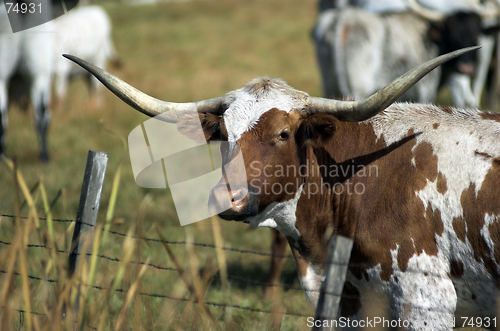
[329,189]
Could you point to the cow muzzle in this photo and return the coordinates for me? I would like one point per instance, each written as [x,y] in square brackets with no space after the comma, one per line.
[230,203]
[466,68]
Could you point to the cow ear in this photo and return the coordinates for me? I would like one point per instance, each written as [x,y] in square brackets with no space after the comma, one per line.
[211,124]
[315,129]
[491,31]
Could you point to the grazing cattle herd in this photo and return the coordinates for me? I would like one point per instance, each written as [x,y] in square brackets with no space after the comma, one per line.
[414,185]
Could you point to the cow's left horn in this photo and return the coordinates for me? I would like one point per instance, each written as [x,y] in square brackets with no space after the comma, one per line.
[144,103]
[427,13]
[355,111]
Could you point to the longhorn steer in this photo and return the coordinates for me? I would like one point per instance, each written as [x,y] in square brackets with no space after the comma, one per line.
[463,26]
[415,186]
[360,52]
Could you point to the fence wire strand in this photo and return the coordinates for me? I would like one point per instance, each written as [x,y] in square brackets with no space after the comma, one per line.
[236,278]
[230,249]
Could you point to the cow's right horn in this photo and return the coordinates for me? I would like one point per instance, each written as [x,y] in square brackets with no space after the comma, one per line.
[426,13]
[355,111]
[144,103]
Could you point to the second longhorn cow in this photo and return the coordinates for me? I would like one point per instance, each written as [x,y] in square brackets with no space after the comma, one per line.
[359,52]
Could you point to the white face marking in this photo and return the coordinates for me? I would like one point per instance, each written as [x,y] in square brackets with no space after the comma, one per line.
[249,103]
[280,216]
[311,283]
[242,116]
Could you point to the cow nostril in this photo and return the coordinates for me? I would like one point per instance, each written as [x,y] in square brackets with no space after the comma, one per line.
[237,196]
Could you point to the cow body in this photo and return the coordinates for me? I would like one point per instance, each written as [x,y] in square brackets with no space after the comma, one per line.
[30,54]
[415,186]
[360,52]
[424,224]
[86,32]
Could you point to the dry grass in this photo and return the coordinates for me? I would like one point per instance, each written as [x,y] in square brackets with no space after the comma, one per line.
[179,51]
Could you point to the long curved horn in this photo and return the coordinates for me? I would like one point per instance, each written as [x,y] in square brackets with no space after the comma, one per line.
[144,103]
[426,13]
[355,111]
[486,11]
[489,10]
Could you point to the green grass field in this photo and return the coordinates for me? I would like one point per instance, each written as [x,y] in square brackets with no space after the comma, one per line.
[177,51]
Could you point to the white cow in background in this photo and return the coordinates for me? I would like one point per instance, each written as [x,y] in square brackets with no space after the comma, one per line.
[29,53]
[390,6]
[86,32]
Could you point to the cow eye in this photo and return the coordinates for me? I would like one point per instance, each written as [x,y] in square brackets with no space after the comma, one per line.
[284,136]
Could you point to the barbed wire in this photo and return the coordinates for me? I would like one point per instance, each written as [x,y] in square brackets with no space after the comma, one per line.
[253,282]
[217,304]
[21,311]
[217,276]
[226,305]
[24,311]
[344,296]
[351,264]
[43,219]
[182,242]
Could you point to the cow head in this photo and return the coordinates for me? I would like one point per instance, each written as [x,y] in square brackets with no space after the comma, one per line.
[268,122]
[456,31]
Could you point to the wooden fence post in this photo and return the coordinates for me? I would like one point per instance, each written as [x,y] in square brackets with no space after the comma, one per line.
[339,253]
[88,207]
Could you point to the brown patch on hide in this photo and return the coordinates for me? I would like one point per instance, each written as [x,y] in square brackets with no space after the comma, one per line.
[388,214]
[490,116]
[351,300]
[456,269]
[459,228]
[475,208]
[434,216]
[494,229]
[435,126]
[345,35]
[441,183]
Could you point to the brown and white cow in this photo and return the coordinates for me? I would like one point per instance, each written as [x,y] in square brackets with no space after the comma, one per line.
[415,186]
